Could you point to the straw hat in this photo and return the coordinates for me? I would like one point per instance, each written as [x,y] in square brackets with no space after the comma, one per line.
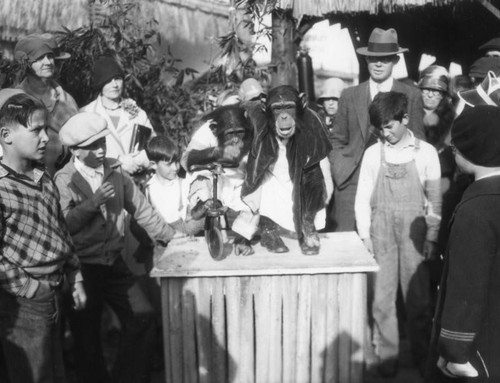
[382,43]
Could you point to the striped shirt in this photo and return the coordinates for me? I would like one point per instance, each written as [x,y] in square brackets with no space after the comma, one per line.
[35,242]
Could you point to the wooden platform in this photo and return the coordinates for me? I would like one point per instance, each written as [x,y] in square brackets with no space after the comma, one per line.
[339,253]
[265,318]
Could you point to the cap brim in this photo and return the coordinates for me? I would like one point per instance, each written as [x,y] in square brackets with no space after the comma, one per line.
[94,138]
[62,56]
[471,97]
[365,52]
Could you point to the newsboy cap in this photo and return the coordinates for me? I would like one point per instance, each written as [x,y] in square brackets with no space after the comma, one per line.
[476,135]
[83,129]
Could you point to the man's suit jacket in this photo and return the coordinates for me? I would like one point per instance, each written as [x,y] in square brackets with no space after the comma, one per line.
[352,128]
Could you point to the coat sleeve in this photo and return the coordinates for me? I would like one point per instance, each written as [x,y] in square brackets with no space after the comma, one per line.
[339,138]
[146,216]
[416,114]
[472,249]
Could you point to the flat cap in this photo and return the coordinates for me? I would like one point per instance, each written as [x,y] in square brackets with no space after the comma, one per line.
[83,129]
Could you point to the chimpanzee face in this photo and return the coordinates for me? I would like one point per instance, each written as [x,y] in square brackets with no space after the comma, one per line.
[234,135]
[285,114]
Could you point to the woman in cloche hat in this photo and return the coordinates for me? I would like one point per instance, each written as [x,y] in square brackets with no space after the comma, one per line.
[122,114]
[38,53]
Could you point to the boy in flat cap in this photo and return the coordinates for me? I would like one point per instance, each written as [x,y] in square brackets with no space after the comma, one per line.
[466,333]
[95,193]
[352,132]
[398,212]
[36,251]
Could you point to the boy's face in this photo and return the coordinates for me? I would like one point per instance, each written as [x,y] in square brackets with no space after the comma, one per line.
[167,170]
[393,131]
[92,155]
[29,142]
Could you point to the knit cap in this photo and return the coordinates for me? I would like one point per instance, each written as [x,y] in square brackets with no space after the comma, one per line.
[476,135]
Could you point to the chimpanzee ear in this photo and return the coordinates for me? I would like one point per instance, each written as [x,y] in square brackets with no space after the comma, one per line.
[303,100]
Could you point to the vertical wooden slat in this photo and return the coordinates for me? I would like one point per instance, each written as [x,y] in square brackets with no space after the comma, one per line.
[233,292]
[165,308]
[246,370]
[219,365]
[290,303]
[357,329]
[203,328]
[344,338]
[262,333]
[175,318]
[318,327]
[188,333]
[303,360]
[274,339]
[332,329]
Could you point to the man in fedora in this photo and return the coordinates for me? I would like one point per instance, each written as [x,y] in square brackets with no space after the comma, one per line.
[352,132]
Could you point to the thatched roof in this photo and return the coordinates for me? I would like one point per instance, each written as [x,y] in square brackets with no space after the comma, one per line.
[323,7]
[189,20]
[21,17]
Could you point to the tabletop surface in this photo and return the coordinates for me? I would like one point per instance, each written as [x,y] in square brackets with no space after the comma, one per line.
[339,253]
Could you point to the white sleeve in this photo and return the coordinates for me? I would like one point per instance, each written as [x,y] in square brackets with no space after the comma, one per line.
[370,166]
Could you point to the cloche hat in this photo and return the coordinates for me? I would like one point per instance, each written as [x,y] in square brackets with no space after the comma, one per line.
[382,43]
[33,47]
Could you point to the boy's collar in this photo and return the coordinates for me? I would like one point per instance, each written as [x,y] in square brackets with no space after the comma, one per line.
[38,171]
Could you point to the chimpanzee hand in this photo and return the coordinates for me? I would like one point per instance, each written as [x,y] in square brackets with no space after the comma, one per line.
[101,195]
[242,246]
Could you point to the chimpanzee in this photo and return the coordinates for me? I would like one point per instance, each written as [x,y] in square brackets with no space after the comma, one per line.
[225,136]
[284,181]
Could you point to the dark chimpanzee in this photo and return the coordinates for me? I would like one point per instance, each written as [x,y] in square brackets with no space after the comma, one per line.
[225,136]
[284,181]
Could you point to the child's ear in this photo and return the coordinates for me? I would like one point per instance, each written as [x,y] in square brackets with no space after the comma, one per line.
[152,165]
[5,135]
[405,119]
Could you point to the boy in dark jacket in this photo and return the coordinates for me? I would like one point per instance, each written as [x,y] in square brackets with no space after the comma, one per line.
[95,193]
[466,334]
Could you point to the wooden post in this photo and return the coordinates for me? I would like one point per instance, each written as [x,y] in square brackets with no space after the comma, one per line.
[283,67]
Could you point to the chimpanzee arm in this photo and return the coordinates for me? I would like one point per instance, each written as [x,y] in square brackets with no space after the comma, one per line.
[202,157]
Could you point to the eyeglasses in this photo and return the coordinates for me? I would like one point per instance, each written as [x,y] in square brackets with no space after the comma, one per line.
[431,92]
[382,59]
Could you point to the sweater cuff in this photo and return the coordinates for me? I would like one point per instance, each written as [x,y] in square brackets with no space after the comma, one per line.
[74,276]
[455,346]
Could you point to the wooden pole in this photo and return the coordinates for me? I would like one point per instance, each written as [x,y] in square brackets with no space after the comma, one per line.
[283,67]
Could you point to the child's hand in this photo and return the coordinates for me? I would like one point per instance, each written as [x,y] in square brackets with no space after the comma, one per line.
[105,192]
[456,370]
[129,163]
[79,295]
[368,244]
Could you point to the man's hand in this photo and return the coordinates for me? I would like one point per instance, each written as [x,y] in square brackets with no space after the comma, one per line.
[429,251]
[456,370]
[368,244]
[103,193]
[79,295]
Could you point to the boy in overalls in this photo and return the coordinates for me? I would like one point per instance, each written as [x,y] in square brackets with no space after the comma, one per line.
[398,211]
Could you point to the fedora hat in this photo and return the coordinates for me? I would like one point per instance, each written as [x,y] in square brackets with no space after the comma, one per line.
[382,43]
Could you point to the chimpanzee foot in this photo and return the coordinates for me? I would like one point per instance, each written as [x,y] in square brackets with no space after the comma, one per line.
[242,246]
[310,244]
[271,240]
